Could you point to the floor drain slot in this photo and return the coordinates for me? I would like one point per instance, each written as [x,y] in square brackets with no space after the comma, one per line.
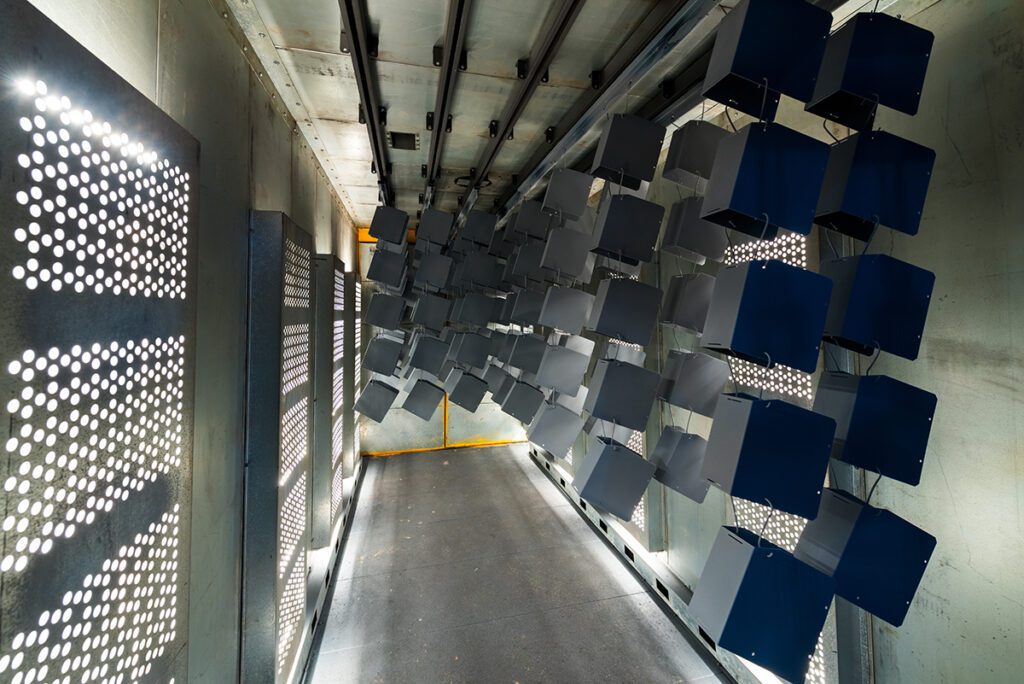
[604,526]
[661,588]
[629,553]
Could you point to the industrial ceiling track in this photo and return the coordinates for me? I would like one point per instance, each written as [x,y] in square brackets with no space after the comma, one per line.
[556,26]
[454,40]
[357,40]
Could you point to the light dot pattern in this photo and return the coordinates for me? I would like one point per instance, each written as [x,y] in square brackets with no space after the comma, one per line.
[122,618]
[296,275]
[293,524]
[101,214]
[90,426]
[338,398]
[295,351]
[639,517]
[292,535]
[783,530]
[358,362]
[790,248]
[294,439]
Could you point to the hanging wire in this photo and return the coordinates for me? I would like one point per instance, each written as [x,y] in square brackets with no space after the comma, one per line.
[767,519]
[824,124]
[828,238]
[764,101]
[729,119]
[871,492]
[874,360]
[871,236]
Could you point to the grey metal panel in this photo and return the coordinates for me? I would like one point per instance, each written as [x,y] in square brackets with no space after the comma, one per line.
[278,432]
[329,398]
[80,345]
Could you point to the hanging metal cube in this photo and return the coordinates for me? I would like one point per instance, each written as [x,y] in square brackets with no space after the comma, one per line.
[693,381]
[385,311]
[555,428]
[566,251]
[382,355]
[522,401]
[526,266]
[626,310]
[758,601]
[375,400]
[573,402]
[504,389]
[481,270]
[567,194]
[531,221]
[473,350]
[882,424]
[527,351]
[768,312]
[500,245]
[691,153]
[603,429]
[877,303]
[622,393]
[433,272]
[390,225]
[873,59]
[423,399]
[875,178]
[690,237]
[477,309]
[764,48]
[430,311]
[766,178]
[627,228]
[429,354]
[687,301]
[494,376]
[627,353]
[613,478]
[562,369]
[876,558]
[628,151]
[527,307]
[678,458]
[479,227]
[387,268]
[566,308]
[435,226]
[468,392]
[770,452]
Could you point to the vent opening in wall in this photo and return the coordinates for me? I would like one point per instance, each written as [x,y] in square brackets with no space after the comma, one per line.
[404,141]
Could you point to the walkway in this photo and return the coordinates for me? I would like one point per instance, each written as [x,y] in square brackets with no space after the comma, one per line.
[468,565]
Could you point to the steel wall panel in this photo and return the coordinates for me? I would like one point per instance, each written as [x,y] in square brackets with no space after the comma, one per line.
[278,438]
[353,373]
[98,194]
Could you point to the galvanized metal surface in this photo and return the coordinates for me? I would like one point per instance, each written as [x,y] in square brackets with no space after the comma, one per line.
[278,445]
[98,363]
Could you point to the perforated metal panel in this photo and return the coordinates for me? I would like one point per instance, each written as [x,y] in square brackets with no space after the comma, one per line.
[328,414]
[278,447]
[97,279]
[353,368]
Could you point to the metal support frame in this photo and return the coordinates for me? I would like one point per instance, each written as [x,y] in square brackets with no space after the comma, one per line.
[362,48]
[556,26]
[279,398]
[97,363]
[452,62]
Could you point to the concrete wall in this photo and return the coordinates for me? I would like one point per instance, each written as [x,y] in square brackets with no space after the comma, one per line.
[181,54]
[967,623]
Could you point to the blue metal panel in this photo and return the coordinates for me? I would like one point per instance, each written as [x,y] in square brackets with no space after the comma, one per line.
[766,177]
[876,558]
[769,313]
[877,303]
[770,452]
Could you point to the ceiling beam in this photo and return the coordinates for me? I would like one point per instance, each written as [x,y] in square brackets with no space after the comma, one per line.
[357,41]
[677,94]
[557,23]
[454,40]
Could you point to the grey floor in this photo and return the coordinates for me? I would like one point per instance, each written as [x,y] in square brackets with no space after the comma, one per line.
[468,565]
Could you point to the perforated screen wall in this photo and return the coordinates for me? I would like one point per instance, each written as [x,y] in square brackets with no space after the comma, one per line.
[278,446]
[97,279]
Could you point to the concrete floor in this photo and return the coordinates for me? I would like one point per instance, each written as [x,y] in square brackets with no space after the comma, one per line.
[468,565]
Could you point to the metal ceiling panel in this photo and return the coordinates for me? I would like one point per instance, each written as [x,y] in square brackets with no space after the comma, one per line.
[309,24]
[501,32]
[325,83]
[407,30]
